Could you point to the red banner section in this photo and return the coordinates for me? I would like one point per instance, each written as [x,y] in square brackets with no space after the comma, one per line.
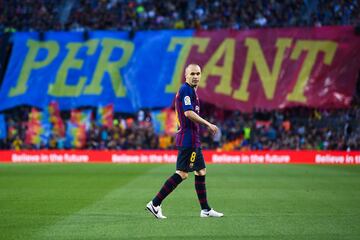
[158,156]
[277,68]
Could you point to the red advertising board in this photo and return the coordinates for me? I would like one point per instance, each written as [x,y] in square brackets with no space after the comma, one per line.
[159,156]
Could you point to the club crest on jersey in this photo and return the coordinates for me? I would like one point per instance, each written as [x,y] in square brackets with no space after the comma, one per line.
[187,100]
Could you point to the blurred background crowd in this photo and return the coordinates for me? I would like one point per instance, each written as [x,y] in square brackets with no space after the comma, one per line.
[293,128]
[80,15]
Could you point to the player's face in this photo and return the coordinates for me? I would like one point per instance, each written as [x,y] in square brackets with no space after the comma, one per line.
[193,75]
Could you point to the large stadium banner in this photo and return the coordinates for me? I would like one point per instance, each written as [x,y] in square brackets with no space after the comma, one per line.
[265,68]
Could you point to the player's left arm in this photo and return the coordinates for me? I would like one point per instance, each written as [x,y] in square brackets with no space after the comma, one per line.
[193,116]
[189,112]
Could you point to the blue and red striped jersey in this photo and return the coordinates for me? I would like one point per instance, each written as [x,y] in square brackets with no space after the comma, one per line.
[188,134]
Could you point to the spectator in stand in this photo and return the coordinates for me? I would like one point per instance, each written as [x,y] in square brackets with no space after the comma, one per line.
[17,144]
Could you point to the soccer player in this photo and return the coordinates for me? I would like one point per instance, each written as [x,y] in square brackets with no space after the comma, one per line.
[190,157]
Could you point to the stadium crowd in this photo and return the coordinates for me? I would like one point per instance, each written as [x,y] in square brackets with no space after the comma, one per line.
[294,128]
[46,15]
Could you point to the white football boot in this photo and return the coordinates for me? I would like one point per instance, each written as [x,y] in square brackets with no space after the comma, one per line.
[210,213]
[156,211]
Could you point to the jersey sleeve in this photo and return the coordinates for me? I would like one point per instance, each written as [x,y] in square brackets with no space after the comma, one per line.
[186,96]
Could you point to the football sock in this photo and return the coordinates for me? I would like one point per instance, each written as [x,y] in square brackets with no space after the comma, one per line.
[200,188]
[167,188]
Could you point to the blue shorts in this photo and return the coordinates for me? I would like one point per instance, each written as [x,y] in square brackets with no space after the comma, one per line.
[190,159]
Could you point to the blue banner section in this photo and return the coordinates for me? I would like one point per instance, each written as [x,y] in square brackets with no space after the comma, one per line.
[158,121]
[3,132]
[106,67]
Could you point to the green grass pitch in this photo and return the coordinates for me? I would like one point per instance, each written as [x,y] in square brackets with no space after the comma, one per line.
[107,201]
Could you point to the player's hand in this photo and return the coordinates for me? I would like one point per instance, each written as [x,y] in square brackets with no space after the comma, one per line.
[213,129]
